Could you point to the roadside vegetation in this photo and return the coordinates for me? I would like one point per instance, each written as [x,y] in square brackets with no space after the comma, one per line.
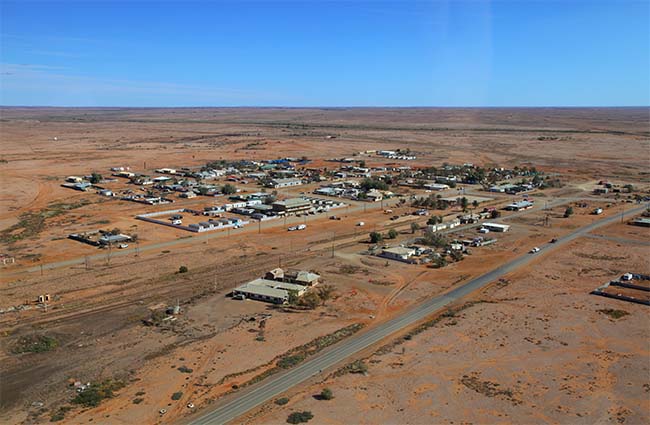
[35,344]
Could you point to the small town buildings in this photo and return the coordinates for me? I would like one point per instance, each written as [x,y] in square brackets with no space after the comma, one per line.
[301,277]
[109,239]
[273,291]
[641,221]
[436,186]
[496,227]
[291,206]
[188,195]
[284,182]
[74,179]
[374,195]
[520,205]
[398,253]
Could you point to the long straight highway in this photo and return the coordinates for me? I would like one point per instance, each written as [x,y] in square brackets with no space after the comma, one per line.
[241,403]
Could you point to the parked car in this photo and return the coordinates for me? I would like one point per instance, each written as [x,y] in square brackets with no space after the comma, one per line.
[534,250]
[301,227]
[123,246]
[483,230]
[553,240]
[292,228]
[361,223]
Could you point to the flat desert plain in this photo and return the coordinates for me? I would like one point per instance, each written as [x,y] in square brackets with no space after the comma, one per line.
[534,346]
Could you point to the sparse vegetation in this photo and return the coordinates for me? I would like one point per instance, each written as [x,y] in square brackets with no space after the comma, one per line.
[299,417]
[185,369]
[568,212]
[35,344]
[59,415]
[31,224]
[282,401]
[93,396]
[182,269]
[613,313]
[177,395]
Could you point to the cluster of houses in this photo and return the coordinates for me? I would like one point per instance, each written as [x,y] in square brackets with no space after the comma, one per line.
[277,285]
[352,189]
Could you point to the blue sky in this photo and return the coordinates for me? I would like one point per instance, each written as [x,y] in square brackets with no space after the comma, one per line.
[308,53]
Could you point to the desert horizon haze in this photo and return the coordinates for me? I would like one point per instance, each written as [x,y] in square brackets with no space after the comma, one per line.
[165,261]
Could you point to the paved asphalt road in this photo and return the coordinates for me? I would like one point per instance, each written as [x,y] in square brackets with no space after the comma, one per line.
[332,356]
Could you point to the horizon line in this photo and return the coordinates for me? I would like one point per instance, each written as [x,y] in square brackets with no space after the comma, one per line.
[328,107]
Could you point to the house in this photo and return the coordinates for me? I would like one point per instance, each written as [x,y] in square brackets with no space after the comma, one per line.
[166,171]
[374,195]
[272,291]
[302,277]
[189,195]
[109,239]
[398,253]
[436,186]
[275,274]
[518,206]
[496,227]
[287,182]
[74,179]
[292,205]
[641,221]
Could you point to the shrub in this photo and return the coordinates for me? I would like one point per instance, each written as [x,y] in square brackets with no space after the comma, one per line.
[138,400]
[94,395]
[299,417]
[289,361]
[182,269]
[185,369]
[568,212]
[282,401]
[614,314]
[59,415]
[177,395]
[326,394]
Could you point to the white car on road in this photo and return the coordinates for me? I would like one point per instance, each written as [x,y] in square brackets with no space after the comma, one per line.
[534,250]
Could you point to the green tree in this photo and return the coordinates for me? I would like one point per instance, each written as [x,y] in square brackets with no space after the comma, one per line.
[414,227]
[392,234]
[326,394]
[228,189]
[325,292]
[96,178]
[293,296]
[311,300]
[182,269]
[464,203]
[568,212]
[495,214]
[376,237]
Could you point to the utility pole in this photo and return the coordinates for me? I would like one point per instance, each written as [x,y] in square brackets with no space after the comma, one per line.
[259,226]
[41,269]
[333,237]
[622,212]
[87,262]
